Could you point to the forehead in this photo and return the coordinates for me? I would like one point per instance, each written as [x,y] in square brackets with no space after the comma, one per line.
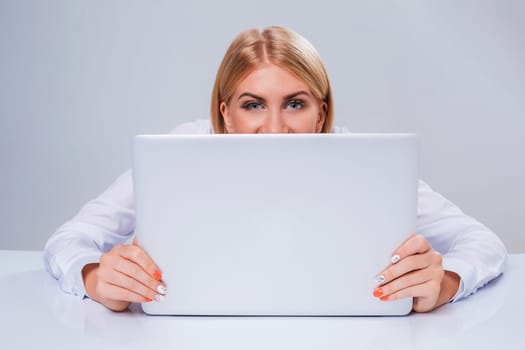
[269,79]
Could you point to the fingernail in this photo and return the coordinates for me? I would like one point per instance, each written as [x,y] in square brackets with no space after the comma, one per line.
[157,275]
[161,289]
[378,292]
[159,298]
[148,300]
[395,259]
[385,298]
[380,279]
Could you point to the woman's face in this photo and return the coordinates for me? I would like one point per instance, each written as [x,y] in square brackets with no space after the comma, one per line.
[271,100]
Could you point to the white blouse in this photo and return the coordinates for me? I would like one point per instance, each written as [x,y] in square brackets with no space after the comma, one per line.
[469,248]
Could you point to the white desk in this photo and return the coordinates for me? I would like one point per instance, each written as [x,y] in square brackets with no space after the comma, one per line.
[36,314]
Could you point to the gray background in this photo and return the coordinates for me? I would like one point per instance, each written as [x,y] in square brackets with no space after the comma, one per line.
[79,78]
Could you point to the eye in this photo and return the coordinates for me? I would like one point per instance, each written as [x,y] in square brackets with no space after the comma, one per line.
[295,104]
[252,106]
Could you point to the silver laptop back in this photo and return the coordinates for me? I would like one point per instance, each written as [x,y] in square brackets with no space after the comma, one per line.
[274,224]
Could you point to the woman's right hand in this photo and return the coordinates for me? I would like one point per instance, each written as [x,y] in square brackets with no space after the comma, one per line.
[125,274]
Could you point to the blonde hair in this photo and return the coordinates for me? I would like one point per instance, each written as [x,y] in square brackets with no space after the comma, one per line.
[279,46]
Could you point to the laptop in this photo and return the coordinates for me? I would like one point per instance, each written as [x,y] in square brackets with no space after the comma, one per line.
[274,224]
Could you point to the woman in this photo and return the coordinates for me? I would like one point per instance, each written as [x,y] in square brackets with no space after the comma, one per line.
[271,81]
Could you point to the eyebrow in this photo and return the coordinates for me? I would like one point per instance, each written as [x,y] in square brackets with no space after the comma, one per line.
[287,97]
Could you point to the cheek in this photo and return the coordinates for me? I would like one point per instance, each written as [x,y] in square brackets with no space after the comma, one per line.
[304,122]
[243,122]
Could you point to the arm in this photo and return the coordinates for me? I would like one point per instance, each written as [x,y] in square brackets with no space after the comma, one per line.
[88,258]
[101,224]
[452,256]
[73,253]
[469,249]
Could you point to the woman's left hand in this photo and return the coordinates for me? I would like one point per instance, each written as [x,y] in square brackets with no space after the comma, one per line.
[417,271]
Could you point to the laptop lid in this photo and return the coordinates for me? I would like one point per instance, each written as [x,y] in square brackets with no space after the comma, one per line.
[274,224]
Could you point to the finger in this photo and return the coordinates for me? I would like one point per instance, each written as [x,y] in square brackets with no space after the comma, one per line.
[115,292]
[132,270]
[137,255]
[135,241]
[406,281]
[423,294]
[131,284]
[415,244]
[408,264]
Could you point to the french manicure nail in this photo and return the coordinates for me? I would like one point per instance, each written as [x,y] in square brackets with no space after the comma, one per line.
[157,275]
[395,259]
[380,279]
[159,298]
[161,289]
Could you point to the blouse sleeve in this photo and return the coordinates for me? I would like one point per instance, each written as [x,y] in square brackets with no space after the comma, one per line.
[102,223]
[468,248]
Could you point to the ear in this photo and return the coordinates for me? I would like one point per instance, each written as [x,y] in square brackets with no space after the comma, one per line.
[225,112]
[323,111]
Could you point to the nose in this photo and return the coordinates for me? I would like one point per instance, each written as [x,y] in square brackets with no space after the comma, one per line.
[274,123]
